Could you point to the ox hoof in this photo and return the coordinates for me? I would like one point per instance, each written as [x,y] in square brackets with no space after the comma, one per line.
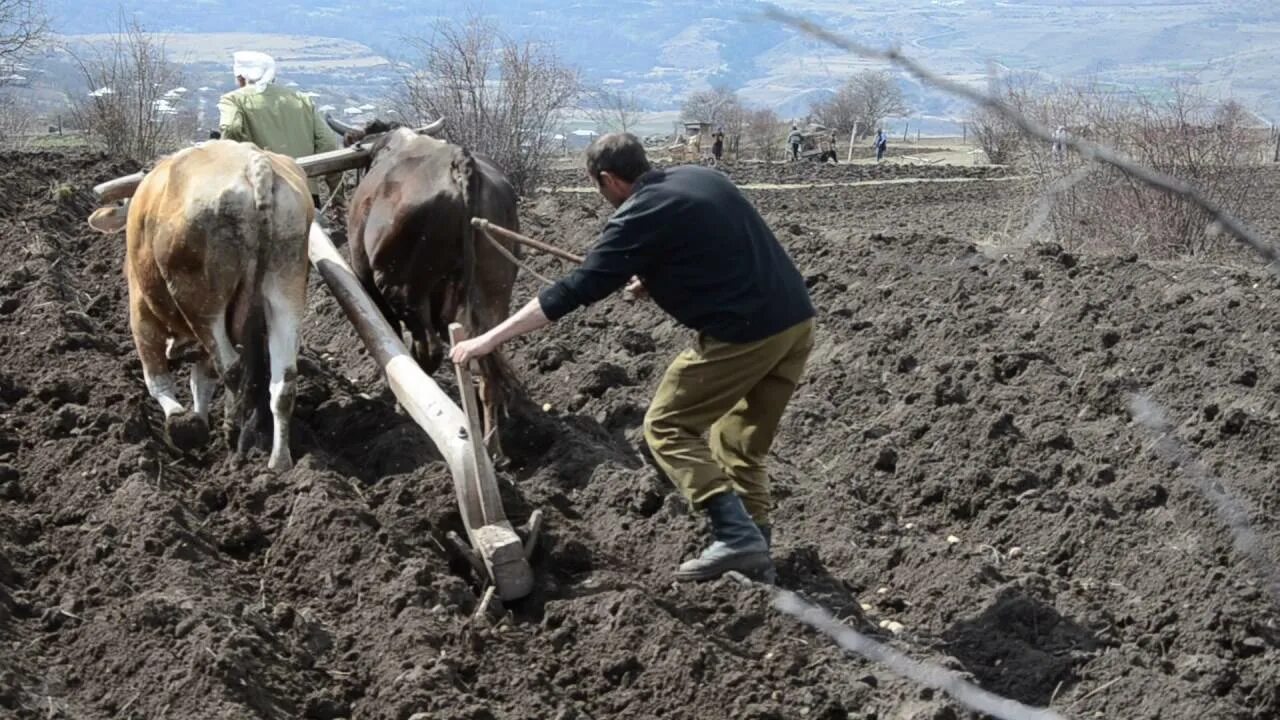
[280,465]
[187,431]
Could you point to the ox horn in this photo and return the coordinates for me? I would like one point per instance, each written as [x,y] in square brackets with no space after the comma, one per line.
[433,129]
[340,127]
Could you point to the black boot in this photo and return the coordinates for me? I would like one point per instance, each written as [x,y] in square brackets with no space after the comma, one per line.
[738,544]
[767,532]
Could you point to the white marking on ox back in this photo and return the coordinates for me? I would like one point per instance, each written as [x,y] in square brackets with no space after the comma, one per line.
[262,178]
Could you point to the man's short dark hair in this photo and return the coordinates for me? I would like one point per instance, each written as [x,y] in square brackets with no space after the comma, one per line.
[619,154]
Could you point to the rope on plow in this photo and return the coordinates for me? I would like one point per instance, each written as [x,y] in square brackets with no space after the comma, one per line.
[511,256]
[488,229]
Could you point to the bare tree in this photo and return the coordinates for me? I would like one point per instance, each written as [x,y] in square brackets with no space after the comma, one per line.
[719,106]
[1233,114]
[863,102]
[613,110]
[998,138]
[501,97]
[838,112]
[1002,140]
[126,103]
[764,134]
[879,97]
[17,122]
[23,26]
[1212,147]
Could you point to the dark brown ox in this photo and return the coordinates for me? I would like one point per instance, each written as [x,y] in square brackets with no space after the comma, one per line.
[217,257]
[414,249]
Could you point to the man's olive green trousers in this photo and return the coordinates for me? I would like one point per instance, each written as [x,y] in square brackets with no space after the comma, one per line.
[736,393]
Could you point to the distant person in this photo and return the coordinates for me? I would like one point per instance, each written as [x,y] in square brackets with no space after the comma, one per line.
[717,147]
[828,147]
[1059,143]
[272,117]
[881,144]
[794,140]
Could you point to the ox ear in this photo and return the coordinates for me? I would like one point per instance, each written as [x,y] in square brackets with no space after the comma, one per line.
[109,220]
[434,129]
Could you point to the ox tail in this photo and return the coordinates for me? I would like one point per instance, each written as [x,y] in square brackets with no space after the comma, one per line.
[254,416]
[494,366]
[465,175]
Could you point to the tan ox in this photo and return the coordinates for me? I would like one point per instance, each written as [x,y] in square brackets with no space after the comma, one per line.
[217,256]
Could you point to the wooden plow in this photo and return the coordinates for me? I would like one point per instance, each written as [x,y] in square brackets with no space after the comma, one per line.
[496,551]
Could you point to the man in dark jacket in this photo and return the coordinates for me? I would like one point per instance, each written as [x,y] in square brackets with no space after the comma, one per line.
[687,238]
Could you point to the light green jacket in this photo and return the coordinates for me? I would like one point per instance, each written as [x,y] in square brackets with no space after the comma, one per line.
[275,119]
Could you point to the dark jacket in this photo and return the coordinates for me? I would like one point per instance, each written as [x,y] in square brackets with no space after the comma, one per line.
[704,254]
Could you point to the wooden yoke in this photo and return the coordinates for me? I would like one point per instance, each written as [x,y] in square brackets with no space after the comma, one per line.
[453,431]
[334,161]
[327,163]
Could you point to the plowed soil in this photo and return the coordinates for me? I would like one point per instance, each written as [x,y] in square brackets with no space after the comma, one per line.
[961,459]
[809,172]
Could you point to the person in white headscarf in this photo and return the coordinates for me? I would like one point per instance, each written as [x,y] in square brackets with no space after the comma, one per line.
[254,69]
[272,117]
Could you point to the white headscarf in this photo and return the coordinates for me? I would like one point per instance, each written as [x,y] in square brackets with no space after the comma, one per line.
[258,69]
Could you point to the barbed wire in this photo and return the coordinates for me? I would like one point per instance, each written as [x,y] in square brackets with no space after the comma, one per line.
[1233,512]
[922,672]
[1088,150]
[1146,412]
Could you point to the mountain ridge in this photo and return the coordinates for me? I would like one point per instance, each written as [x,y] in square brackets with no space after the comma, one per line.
[662,51]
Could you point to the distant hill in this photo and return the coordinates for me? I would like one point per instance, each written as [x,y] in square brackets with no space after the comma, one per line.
[664,50]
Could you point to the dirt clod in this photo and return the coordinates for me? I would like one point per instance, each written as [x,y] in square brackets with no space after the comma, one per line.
[187,430]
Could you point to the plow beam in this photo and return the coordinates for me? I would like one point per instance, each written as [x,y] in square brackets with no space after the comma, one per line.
[453,431]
